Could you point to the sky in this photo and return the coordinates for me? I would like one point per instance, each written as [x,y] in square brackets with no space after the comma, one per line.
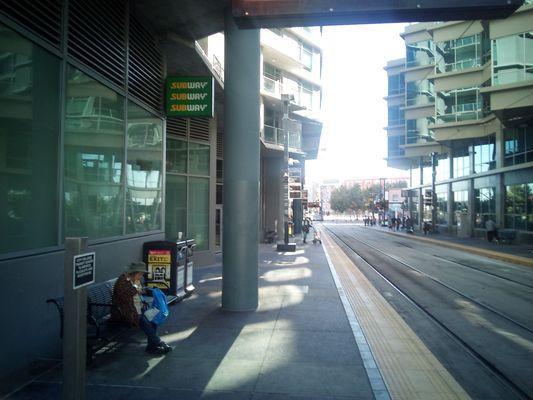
[353,142]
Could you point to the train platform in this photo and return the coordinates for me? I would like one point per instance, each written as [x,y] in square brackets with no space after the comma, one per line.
[510,252]
[322,331]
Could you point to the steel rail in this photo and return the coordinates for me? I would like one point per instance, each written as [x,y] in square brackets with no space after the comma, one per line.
[500,375]
[460,263]
[482,270]
[466,296]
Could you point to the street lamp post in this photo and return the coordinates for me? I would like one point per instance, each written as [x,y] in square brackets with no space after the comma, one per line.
[434,163]
[286,246]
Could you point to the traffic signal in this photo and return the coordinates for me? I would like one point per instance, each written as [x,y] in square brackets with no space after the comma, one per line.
[428,197]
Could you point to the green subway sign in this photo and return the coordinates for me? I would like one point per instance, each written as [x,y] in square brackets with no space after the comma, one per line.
[190,96]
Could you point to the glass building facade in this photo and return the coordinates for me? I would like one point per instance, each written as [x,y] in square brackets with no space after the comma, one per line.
[512,58]
[462,53]
[420,53]
[29,142]
[188,191]
[112,151]
[467,98]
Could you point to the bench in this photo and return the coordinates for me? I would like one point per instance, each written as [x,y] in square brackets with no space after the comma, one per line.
[101,330]
[506,235]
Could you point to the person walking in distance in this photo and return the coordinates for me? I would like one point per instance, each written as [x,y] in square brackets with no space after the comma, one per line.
[306,225]
[492,232]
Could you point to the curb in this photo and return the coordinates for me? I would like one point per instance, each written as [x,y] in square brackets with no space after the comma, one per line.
[474,250]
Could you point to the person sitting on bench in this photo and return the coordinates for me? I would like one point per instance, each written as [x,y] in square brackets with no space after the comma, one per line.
[127,296]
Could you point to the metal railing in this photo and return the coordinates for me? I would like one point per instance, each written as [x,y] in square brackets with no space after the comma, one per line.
[272,86]
[302,97]
[463,112]
[274,135]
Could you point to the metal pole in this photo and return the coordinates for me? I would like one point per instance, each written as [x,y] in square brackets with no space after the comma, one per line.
[74,325]
[286,201]
[434,163]
[240,255]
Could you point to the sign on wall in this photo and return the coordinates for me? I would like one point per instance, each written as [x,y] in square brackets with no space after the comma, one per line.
[84,269]
[190,96]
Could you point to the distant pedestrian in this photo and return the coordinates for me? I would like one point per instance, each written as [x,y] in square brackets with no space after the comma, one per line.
[409,225]
[306,226]
[492,232]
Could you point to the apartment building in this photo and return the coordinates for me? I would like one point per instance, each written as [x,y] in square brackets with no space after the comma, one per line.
[465,93]
[291,63]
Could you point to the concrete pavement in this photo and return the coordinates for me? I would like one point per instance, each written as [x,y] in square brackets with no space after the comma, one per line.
[298,344]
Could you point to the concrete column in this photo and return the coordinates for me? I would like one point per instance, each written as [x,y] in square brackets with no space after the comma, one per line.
[500,147]
[500,202]
[471,204]
[421,208]
[450,208]
[240,255]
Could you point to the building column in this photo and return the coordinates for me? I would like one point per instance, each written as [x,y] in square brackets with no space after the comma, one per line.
[450,209]
[420,208]
[240,250]
[500,202]
[471,206]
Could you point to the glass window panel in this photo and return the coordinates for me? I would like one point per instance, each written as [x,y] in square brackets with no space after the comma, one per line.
[420,53]
[415,176]
[518,204]
[427,177]
[143,170]
[198,226]
[420,92]
[94,149]
[460,203]
[176,206]
[29,133]
[518,144]
[176,156]
[512,58]
[443,169]
[441,193]
[198,159]
[484,206]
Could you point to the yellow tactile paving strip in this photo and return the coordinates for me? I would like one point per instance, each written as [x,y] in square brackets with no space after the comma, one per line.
[409,369]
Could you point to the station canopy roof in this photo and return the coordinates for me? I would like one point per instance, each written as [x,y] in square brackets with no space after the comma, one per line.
[195,19]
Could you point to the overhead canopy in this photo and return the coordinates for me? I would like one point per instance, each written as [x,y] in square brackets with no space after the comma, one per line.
[286,13]
[194,19]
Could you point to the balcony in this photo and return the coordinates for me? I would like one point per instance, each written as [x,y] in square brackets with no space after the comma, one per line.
[272,86]
[303,96]
[462,65]
[274,135]
[416,136]
[463,112]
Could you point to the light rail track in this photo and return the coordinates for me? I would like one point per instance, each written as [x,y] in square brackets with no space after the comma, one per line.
[482,270]
[494,370]
[464,265]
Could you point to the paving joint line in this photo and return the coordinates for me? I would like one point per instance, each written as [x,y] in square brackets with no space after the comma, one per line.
[268,346]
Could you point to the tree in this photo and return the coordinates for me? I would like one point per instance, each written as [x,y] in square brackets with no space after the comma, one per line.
[340,199]
[346,199]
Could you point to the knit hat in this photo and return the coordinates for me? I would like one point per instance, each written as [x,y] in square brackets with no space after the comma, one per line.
[137,266]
